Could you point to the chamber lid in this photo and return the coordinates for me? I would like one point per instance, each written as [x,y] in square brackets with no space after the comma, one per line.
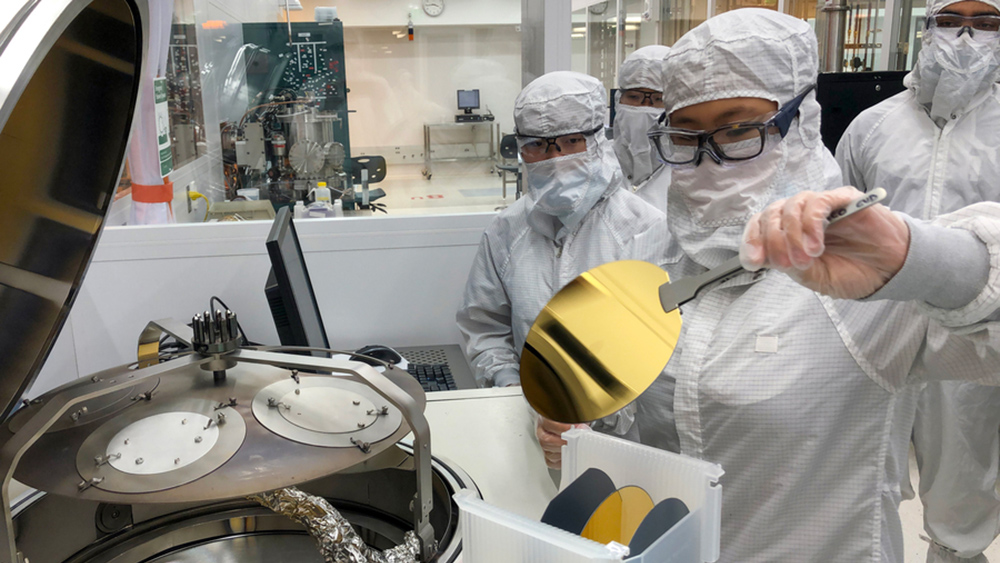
[69,79]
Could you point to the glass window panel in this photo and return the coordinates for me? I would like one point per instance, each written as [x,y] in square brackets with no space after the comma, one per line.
[273,115]
[187,118]
[677,17]
[728,5]
[602,19]
[864,27]
[911,29]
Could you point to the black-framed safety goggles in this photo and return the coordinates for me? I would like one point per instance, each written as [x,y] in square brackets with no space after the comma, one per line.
[963,24]
[537,147]
[730,144]
[640,98]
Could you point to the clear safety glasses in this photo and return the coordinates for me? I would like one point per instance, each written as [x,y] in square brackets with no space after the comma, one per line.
[534,148]
[727,145]
[640,98]
[978,27]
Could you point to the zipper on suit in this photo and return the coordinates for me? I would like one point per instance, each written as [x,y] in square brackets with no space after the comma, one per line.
[560,266]
[932,185]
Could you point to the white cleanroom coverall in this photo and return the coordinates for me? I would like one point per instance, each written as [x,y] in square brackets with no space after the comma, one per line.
[793,393]
[527,255]
[636,155]
[929,166]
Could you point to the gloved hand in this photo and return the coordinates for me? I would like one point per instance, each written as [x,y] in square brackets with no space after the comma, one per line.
[853,259]
[549,433]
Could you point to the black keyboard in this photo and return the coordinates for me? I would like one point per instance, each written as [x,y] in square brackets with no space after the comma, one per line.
[433,377]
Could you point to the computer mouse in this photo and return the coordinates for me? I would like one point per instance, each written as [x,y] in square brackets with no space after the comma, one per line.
[379,352]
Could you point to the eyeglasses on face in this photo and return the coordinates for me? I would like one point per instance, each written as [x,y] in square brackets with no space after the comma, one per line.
[988,24]
[535,148]
[635,97]
[733,143]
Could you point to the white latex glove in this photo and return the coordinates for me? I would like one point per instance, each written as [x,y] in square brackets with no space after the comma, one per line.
[549,433]
[854,258]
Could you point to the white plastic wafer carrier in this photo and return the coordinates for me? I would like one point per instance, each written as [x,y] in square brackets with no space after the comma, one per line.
[491,534]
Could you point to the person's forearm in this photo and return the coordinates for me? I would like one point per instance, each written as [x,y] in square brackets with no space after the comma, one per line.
[944,267]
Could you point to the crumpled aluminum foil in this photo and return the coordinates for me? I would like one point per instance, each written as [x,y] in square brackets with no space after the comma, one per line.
[338,542]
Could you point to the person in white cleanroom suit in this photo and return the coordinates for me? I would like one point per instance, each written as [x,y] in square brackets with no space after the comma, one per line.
[576,216]
[948,120]
[638,104]
[789,377]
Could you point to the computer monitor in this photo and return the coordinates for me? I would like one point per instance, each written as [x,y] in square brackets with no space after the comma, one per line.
[468,100]
[289,290]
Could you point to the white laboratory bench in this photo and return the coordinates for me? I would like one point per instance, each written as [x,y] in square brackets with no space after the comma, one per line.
[490,434]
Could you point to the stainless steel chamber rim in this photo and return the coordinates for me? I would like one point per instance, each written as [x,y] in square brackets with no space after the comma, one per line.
[235,530]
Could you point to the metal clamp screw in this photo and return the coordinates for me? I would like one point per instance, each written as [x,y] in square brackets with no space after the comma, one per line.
[103,459]
[365,447]
[231,403]
[275,403]
[84,485]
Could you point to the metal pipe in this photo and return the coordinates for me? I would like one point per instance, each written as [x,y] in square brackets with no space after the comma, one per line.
[895,12]
[836,23]
[288,18]
[870,39]
[899,35]
[858,62]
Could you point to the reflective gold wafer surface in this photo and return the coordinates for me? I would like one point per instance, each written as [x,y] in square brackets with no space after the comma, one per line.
[599,343]
[619,516]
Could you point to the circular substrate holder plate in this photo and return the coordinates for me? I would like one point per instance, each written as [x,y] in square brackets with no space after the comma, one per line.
[326,411]
[162,447]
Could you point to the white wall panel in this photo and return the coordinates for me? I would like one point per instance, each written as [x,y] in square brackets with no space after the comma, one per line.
[390,280]
[379,13]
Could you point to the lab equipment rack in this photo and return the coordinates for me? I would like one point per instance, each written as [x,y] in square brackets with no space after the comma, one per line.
[473,127]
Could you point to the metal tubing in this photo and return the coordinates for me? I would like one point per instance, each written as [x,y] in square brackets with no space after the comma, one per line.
[890,32]
[836,24]
[288,18]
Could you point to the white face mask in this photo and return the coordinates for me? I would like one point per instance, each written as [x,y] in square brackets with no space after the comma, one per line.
[632,146]
[567,187]
[559,184]
[718,196]
[953,70]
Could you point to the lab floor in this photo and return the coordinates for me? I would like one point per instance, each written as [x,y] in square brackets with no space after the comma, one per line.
[453,187]
[912,514]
